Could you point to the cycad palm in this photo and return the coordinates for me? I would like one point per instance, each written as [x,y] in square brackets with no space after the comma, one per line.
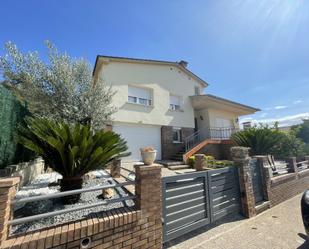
[69,150]
[261,140]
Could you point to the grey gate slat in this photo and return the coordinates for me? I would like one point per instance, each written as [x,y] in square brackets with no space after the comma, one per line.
[185,197]
[224,193]
[225,198]
[189,188]
[186,220]
[183,183]
[196,199]
[186,229]
[224,181]
[185,212]
[186,204]
[215,189]
[222,213]
[225,205]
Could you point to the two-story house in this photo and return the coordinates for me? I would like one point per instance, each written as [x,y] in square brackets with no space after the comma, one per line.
[161,104]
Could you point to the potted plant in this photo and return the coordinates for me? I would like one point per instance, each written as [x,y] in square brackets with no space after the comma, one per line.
[148,155]
[71,150]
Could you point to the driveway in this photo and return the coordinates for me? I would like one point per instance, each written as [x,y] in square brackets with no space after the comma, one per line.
[277,228]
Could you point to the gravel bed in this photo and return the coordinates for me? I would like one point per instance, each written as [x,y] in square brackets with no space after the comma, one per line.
[55,204]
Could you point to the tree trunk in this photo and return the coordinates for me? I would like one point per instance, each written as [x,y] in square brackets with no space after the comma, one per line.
[71,183]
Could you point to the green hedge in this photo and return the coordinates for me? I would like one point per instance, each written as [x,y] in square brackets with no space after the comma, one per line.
[12,114]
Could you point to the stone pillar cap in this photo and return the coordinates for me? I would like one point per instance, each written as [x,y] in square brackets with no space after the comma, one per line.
[148,167]
[9,182]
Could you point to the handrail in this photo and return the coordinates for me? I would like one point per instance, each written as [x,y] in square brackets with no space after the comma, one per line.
[67,210]
[192,140]
[70,192]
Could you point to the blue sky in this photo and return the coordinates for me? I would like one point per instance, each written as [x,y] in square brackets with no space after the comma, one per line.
[252,51]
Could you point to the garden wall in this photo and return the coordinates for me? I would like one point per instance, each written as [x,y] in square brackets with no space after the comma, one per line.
[140,227]
[282,188]
[27,171]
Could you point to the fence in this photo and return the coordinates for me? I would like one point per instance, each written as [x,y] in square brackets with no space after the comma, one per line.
[197,199]
[11,116]
[121,228]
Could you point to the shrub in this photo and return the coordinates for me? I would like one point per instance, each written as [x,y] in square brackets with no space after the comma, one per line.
[260,139]
[264,140]
[71,150]
[12,114]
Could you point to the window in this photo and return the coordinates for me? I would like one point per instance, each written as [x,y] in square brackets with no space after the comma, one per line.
[197,90]
[176,135]
[137,95]
[175,103]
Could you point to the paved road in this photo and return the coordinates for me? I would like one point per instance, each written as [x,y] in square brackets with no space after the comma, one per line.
[277,228]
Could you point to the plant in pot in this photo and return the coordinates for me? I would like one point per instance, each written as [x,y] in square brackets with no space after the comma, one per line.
[71,150]
[148,155]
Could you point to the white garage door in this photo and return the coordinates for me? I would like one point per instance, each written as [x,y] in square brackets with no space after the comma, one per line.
[139,136]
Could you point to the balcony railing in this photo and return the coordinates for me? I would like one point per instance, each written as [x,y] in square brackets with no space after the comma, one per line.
[216,133]
[222,133]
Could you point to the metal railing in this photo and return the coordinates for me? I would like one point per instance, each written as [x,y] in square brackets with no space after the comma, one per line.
[192,140]
[222,133]
[217,133]
[67,210]
[302,165]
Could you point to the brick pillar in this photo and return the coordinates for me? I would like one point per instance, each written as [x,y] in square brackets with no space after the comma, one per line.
[200,162]
[8,188]
[149,198]
[267,174]
[115,168]
[292,165]
[241,158]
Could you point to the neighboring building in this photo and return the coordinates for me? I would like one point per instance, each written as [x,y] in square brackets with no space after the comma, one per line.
[161,104]
[247,125]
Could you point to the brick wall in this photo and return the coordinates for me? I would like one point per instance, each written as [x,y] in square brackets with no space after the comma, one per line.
[219,151]
[140,227]
[169,148]
[282,188]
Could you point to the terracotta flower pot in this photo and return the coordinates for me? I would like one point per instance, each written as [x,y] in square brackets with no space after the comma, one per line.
[149,157]
[70,183]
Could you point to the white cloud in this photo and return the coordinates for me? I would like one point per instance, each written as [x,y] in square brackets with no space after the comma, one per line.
[263,115]
[283,121]
[280,107]
[297,101]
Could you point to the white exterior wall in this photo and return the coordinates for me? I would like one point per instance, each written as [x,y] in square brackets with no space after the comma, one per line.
[163,80]
[209,117]
[213,114]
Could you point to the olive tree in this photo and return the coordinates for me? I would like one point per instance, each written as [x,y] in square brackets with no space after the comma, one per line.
[60,88]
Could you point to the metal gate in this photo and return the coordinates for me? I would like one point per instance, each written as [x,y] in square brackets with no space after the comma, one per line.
[256,180]
[196,199]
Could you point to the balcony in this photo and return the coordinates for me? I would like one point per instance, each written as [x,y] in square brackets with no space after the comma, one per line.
[212,133]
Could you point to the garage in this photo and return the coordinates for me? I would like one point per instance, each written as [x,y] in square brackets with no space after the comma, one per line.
[139,136]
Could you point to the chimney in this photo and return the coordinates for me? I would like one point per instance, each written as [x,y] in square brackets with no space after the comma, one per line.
[183,63]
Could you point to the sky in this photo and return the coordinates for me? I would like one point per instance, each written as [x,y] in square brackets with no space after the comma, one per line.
[255,52]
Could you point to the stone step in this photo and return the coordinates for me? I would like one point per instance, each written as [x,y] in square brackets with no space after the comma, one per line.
[178,159]
[170,162]
[261,207]
[177,167]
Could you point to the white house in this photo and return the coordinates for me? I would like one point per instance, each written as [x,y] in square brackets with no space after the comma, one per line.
[161,104]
